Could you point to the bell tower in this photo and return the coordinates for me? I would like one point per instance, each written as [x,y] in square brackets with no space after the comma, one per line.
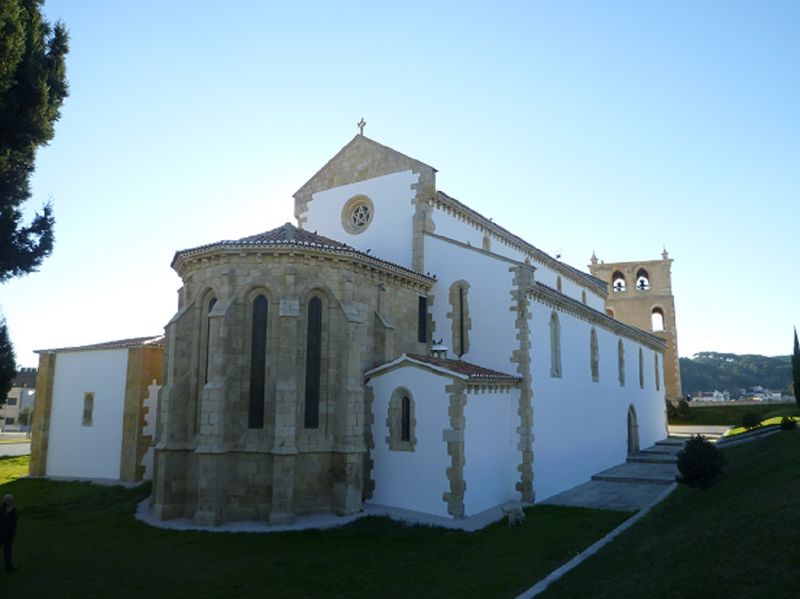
[640,294]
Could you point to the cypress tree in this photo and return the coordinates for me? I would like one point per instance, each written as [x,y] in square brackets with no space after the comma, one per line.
[33,86]
[8,362]
[796,369]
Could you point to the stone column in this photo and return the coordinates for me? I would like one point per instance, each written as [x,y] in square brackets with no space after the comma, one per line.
[454,438]
[211,453]
[284,449]
[521,284]
[40,421]
[349,447]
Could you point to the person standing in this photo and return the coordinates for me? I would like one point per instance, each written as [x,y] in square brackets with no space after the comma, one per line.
[8,528]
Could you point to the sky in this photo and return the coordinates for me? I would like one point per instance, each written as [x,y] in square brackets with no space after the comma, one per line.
[615,127]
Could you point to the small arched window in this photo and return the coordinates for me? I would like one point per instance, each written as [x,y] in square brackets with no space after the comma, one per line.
[583,296]
[642,280]
[618,282]
[558,283]
[641,369]
[401,422]
[258,362]
[405,419]
[594,355]
[555,346]
[459,317]
[207,333]
[313,362]
[657,319]
[621,362]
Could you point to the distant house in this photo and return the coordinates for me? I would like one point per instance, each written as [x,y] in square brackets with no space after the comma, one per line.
[95,410]
[20,397]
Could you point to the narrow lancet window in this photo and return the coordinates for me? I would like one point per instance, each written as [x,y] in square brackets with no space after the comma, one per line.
[313,362]
[621,362]
[422,320]
[258,363]
[555,346]
[595,357]
[405,420]
[641,369]
[207,360]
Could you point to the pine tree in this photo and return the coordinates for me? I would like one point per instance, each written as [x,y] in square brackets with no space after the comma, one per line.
[796,369]
[8,362]
[33,86]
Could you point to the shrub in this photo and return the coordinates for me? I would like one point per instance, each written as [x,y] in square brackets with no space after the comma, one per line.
[699,462]
[750,420]
[683,410]
[788,423]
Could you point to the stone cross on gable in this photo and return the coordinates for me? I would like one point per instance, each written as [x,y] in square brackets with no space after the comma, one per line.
[361,124]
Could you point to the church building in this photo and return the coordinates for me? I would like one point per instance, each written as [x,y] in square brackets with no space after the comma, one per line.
[393,347]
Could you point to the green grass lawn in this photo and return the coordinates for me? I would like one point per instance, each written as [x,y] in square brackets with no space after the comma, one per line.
[738,538]
[81,540]
[732,415]
[14,440]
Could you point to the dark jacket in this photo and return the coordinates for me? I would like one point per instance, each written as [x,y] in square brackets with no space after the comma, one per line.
[8,523]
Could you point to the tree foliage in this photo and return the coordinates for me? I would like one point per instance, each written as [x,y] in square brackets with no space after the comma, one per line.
[33,86]
[708,371]
[796,369]
[8,362]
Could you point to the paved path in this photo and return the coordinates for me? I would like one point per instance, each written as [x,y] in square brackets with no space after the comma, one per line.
[631,485]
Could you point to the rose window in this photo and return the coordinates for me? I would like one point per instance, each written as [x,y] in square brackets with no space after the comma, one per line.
[360,216]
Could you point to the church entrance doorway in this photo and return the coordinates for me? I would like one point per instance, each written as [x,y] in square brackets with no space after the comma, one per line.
[633,431]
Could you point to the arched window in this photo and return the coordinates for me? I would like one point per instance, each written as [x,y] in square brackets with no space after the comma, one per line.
[594,355]
[555,346]
[313,362]
[400,421]
[558,283]
[405,419]
[258,362]
[583,296]
[642,280]
[657,319]
[459,317]
[207,334]
[621,362]
[658,374]
[618,282]
[641,369]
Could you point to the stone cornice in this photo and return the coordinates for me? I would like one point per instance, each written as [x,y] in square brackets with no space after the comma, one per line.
[452,206]
[186,260]
[555,299]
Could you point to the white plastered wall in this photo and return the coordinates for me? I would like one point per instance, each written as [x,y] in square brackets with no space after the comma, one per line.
[492,336]
[412,480]
[389,234]
[87,451]
[449,226]
[491,449]
[580,426]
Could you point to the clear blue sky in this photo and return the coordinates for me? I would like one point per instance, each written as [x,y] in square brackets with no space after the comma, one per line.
[615,127]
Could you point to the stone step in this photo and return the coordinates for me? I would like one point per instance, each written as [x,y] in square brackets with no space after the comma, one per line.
[671,442]
[644,473]
[654,458]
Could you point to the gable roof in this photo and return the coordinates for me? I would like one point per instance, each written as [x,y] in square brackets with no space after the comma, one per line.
[152,341]
[353,143]
[289,236]
[476,217]
[466,371]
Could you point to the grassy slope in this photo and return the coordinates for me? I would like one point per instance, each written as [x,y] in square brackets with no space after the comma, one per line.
[732,415]
[77,539]
[735,539]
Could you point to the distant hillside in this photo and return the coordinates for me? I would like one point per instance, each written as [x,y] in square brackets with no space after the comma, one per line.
[709,371]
